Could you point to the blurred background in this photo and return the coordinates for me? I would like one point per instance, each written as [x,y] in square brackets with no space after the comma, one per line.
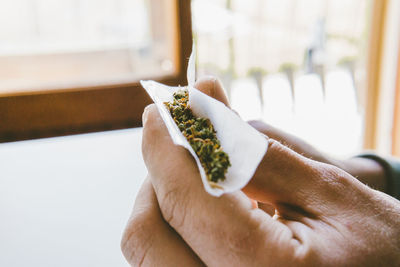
[53,44]
[298,65]
[324,70]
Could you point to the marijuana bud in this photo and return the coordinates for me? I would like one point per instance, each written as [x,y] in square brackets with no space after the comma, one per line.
[201,136]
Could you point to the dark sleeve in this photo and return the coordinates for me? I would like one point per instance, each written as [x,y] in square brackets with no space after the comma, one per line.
[392,171]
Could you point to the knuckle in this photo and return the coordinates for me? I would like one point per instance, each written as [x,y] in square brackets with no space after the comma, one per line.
[335,177]
[138,238]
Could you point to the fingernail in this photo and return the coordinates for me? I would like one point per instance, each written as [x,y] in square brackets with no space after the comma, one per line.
[214,89]
[145,114]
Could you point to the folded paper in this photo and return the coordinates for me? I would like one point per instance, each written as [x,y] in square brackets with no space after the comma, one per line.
[245,146]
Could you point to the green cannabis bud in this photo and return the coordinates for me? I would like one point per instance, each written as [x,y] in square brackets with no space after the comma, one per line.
[201,136]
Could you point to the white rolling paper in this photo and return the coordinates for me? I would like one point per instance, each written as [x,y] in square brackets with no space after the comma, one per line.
[245,146]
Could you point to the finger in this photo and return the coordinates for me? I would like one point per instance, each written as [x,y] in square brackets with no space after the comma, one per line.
[291,141]
[285,179]
[319,185]
[149,241]
[339,184]
[219,230]
[212,87]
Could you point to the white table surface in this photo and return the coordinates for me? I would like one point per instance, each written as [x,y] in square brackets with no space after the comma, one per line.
[64,201]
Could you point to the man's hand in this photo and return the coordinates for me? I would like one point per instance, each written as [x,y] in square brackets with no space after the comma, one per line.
[324,216]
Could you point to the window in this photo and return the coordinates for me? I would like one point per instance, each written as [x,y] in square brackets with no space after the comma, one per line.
[300,65]
[73,66]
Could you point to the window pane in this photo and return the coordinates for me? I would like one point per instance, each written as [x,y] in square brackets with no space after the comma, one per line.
[297,64]
[71,43]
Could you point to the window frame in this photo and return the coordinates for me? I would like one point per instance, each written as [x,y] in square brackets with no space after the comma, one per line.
[58,112]
[396,113]
[374,69]
[382,79]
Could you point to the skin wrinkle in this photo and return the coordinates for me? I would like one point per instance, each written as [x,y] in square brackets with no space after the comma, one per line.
[138,229]
[378,212]
[175,210]
[358,243]
[295,227]
[294,213]
[135,248]
[181,237]
[334,224]
[333,183]
[169,205]
[357,195]
[346,240]
[286,244]
[126,238]
[314,224]
[293,240]
[336,185]
[334,178]
[361,241]
[145,253]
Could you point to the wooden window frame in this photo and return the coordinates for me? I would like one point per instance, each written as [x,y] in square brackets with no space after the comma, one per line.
[396,114]
[374,65]
[382,82]
[48,113]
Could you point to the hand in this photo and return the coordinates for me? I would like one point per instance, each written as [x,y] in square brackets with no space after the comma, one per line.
[324,216]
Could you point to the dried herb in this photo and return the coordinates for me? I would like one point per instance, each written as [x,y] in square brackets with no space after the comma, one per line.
[201,136]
